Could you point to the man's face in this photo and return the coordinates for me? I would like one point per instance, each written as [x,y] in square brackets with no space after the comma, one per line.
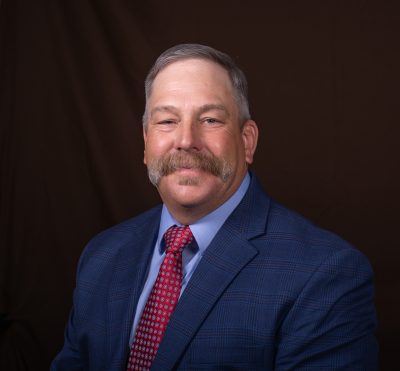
[196,150]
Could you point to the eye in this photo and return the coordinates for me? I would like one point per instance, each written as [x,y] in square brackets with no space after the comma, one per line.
[166,122]
[211,121]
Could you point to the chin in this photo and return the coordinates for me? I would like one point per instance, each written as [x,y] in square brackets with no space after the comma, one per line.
[190,202]
[188,191]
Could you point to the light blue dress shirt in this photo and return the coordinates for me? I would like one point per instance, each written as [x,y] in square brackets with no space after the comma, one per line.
[204,230]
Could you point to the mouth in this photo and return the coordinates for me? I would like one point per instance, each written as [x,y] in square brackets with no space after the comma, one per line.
[187,170]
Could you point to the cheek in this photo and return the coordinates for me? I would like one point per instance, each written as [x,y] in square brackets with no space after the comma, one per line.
[227,146]
[156,146]
[218,142]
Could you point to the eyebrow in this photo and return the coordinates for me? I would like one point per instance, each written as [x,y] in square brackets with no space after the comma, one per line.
[202,109]
[171,109]
[212,107]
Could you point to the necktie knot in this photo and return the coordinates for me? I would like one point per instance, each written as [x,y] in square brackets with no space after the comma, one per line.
[176,238]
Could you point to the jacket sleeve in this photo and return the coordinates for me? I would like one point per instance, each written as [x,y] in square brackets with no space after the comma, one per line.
[331,324]
[69,358]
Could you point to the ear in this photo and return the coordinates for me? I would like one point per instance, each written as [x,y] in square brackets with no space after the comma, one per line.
[145,142]
[250,138]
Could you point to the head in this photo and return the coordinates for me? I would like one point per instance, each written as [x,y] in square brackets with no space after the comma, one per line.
[199,139]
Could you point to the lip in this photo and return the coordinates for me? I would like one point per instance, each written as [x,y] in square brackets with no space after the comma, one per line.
[188,170]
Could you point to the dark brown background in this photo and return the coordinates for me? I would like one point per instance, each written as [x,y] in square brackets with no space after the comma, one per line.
[324,88]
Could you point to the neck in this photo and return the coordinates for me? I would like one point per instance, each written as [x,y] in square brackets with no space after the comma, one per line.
[188,215]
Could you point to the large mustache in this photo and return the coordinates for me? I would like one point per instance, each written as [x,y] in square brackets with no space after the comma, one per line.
[192,160]
[168,164]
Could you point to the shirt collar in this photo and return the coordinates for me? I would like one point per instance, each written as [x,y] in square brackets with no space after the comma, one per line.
[204,229]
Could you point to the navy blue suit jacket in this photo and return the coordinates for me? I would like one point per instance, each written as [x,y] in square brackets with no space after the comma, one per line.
[272,292]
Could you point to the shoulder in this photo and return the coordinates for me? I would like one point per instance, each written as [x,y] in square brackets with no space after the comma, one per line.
[110,241]
[283,234]
[286,223]
[129,226]
[295,237]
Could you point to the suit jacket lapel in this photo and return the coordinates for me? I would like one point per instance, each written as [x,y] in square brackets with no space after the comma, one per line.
[227,255]
[126,285]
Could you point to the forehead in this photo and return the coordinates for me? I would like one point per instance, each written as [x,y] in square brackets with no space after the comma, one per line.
[195,73]
[193,63]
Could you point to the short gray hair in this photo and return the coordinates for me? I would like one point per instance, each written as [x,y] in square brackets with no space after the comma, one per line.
[198,51]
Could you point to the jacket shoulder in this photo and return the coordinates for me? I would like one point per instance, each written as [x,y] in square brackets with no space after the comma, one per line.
[111,240]
[302,235]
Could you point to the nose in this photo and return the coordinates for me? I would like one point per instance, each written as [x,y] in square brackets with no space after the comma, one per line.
[188,136]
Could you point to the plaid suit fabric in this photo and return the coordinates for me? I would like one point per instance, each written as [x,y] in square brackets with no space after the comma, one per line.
[272,291]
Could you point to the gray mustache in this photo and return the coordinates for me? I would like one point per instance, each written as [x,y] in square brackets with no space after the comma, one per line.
[196,160]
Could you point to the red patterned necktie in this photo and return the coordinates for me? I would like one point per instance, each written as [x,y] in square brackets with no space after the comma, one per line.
[161,302]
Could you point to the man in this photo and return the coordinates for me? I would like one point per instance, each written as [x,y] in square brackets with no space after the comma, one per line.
[220,276]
